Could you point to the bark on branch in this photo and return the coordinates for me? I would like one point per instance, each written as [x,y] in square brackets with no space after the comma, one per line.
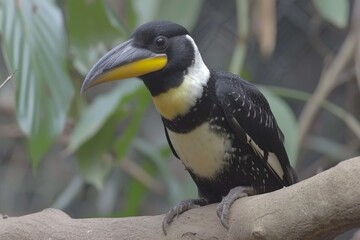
[318,208]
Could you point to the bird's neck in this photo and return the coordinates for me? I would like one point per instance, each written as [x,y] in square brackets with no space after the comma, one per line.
[180,99]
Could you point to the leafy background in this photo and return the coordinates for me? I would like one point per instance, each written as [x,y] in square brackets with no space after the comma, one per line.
[104,154]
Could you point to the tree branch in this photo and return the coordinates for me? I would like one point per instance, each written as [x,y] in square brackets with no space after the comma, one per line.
[320,207]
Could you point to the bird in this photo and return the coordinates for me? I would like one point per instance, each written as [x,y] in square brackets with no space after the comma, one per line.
[220,126]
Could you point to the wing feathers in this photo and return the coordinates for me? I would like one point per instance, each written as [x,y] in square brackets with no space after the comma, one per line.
[249,115]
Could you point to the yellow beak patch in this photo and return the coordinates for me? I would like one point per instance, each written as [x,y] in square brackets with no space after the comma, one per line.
[132,69]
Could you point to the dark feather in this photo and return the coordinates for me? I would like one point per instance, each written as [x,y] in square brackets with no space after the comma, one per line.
[248,112]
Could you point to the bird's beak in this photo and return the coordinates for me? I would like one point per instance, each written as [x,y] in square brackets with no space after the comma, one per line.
[122,62]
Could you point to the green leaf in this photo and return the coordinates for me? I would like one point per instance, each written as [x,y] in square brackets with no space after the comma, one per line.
[172,10]
[136,193]
[98,113]
[126,22]
[145,10]
[34,43]
[94,135]
[90,31]
[88,23]
[122,145]
[334,11]
[93,163]
[286,121]
[154,154]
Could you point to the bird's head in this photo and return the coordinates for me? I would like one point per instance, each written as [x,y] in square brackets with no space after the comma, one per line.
[163,55]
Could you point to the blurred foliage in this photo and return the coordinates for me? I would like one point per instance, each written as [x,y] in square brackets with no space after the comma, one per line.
[94,133]
[335,11]
[34,44]
[84,44]
[52,44]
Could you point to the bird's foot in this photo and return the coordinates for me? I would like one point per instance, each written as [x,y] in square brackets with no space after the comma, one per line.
[223,209]
[181,207]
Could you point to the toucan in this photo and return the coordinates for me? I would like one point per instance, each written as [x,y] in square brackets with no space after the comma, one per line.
[220,126]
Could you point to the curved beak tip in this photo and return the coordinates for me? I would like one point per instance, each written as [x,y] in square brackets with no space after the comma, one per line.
[86,85]
[82,90]
[123,62]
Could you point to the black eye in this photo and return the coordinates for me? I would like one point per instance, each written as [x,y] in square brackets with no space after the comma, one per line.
[160,42]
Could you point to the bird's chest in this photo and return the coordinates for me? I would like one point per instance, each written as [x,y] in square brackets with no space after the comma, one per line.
[203,150]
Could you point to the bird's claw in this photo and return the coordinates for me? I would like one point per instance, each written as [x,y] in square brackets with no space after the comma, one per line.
[179,208]
[169,216]
[223,209]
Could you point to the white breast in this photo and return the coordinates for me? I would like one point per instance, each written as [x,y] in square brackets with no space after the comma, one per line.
[201,150]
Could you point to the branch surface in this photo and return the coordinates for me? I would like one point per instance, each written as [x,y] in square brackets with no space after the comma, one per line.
[320,207]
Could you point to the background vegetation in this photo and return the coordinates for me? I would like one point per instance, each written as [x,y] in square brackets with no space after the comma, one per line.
[104,154]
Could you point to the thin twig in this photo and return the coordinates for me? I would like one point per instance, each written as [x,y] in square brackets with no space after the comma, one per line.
[7,79]
[327,82]
[142,176]
[349,119]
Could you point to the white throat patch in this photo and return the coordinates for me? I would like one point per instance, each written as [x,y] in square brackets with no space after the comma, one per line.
[177,101]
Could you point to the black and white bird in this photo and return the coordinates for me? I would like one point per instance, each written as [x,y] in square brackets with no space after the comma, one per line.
[220,126]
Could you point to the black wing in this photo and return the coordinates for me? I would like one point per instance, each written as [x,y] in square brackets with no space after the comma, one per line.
[249,115]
